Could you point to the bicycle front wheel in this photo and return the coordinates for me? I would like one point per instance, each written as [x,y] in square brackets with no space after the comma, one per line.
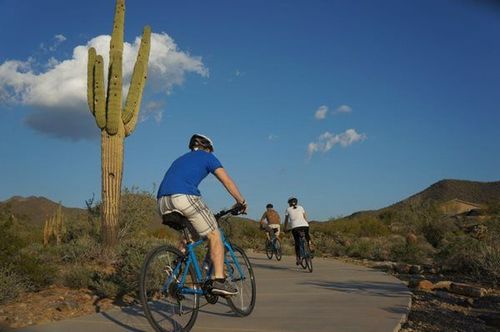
[269,249]
[240,275]
[277,249]
[166,306]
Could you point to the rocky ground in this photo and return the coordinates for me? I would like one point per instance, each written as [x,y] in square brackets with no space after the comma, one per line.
[444,302]
[439,302]
[52,304]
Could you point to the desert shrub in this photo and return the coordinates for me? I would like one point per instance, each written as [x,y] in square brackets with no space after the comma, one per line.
[11,285]
[37,271]
[467,255]
[80,250]
[244,233]
[131,256]
[138,210]
[412,253]
[328,245]
[78,276]
[361,248]
[363,226]
[104,286]
[436,230]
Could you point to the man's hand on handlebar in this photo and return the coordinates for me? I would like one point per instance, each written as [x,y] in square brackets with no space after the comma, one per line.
[242,207]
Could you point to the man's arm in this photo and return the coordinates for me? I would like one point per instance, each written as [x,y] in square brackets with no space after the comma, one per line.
[229,184]
[286,223]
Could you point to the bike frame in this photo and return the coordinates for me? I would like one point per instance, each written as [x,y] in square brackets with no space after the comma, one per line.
[302,244]
[193,260]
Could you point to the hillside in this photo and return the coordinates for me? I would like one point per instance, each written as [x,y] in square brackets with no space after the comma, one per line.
[35,210]
[482,193]
[445,190]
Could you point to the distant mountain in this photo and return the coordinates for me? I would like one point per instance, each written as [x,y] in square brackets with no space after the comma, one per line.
[446,190]
[35,210]
[477,193]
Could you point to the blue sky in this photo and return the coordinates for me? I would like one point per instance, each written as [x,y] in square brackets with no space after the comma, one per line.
[348,105]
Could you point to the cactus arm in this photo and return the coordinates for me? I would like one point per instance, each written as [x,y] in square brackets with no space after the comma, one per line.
[130,126]
[90,79]
[99,98]
[114,102]
[138,81]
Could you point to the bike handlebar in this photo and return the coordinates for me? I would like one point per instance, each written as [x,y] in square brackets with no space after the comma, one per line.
[236,210]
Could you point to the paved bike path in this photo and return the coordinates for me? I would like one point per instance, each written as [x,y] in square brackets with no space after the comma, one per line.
[335,297]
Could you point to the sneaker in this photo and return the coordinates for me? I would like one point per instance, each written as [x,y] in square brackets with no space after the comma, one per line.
[222,287]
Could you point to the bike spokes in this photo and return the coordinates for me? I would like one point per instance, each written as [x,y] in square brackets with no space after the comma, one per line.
[240,275]
[167,304]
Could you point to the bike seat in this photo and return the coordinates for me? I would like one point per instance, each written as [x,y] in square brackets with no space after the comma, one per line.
[175,220]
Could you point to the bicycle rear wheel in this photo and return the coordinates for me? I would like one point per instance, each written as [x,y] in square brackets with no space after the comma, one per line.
[165,306]
[269,249]
[277,249]
[243,279]
[308,257]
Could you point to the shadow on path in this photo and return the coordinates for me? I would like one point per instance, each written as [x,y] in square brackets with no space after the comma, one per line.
[385,289]
[131,311]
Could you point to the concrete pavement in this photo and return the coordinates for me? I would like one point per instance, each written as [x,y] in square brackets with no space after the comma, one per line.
[335,297]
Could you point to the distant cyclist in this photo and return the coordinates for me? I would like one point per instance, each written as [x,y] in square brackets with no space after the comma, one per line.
[179,192]
[296,215]
[270,221]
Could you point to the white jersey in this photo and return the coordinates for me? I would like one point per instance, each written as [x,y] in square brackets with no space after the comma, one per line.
[296,216]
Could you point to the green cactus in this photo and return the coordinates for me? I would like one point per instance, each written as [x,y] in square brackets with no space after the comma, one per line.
[115,121]
[54,227]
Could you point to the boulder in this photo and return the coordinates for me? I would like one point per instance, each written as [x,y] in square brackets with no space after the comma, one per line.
[424,285]
[467,290]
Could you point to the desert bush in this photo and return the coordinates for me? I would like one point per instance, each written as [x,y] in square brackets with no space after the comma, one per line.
[78,276]
[138,210]
[328,245]
[38,271]
[80,250]
[104,286]
[130,256]
[362,248]
[436,230]
[244,233]
[11,285]
[363,226]
[412,252]
[467,255]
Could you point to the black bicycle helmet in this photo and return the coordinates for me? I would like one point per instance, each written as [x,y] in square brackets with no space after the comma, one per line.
[201,141]
[269,206]
[293,201]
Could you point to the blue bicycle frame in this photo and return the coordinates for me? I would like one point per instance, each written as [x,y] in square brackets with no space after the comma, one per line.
[191,259]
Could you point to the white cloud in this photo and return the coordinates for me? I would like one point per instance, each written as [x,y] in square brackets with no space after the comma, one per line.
[321,112]
[60,92]
[272,137]
[327,141]
[343,109]
[59,38]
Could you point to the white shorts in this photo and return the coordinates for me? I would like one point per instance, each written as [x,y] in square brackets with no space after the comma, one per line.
[193,208]
[275,226]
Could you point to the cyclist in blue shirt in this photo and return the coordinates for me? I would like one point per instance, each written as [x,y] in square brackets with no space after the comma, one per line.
[179,192]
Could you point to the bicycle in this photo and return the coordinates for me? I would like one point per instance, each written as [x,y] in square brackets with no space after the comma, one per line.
[273,246]
[305,252]
[171,283]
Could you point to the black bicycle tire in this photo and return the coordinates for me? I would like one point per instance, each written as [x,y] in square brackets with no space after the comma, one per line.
[269,249]
[277,252]
[236,310]
[308,257]
[143,296]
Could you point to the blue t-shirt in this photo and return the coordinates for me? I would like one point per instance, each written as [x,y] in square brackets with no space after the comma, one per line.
[186,173]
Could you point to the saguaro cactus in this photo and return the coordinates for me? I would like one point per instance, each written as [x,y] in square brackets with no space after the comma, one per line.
[54,227]
[115,121]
